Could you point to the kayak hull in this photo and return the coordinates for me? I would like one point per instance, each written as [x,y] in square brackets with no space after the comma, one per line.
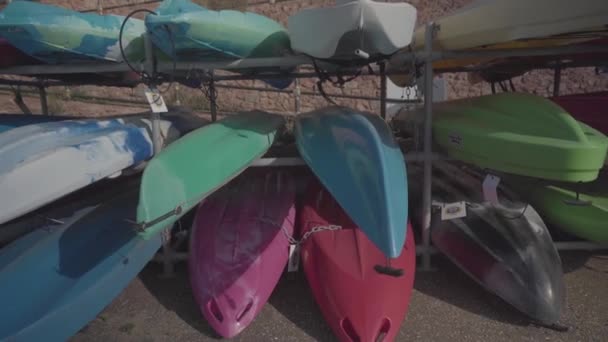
[172,183]
[356,158]
[239,248]
[56,35]
[516,133]
[588,108]
[585,215]
[81,266]
[340,266]
[504,247]
[378,29]
[34,159]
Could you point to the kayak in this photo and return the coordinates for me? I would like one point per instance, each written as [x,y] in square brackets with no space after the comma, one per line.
[10,121]
[516,133]
[375,28]
[504,246]
[69,272]
[590,108]
[342,268]
[579,209]
[192,32]
[512,24]
[57,35]
[185,31]
[33,170]
[355,156]
[193,167]
[239,248]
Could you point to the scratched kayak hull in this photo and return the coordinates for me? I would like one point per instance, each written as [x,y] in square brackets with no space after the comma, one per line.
[356,158]
[79,267]
[515,133]
[357,302]
[378,29]
[239,248]
[585,215]
[33,170]
[504,247]
[199,163]
[57,35]
[185,31]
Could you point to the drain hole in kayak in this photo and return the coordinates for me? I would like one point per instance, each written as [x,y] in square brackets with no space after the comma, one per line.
[215,310]
[349,330]
[386,326]
[245,311]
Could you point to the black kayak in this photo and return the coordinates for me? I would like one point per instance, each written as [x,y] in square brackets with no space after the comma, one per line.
[505,247]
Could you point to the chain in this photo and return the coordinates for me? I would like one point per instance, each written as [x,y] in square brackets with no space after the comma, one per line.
[292,240]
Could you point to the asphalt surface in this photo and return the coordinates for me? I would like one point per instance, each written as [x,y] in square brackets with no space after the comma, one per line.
[445,305]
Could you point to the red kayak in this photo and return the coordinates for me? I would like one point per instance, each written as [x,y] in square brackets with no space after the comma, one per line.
[362,296]
[590,108]
[11,56]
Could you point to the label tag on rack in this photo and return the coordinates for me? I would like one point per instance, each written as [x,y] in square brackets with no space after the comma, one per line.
[294,258]
[452,211]
[155,99]
[490,185]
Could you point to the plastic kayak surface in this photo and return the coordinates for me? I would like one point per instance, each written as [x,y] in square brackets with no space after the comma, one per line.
[239,247]
[10,121]
[516,133]
[199,163]
[590,108]
[70,272]
[358,302]
[505,247]
[355,156]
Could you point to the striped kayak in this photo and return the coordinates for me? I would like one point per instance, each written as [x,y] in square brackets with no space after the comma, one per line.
[516,133]
[239,247]
[505,247]
[43,162]
[190,169]
[68,273]
[57,35]
[355,156]
[578,209]
[10,121]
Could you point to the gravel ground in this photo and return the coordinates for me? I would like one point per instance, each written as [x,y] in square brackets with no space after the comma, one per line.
[446,305]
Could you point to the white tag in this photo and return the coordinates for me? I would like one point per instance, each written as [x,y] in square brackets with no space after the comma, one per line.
[490,185]
[294,258]
[155,99]
[452,211]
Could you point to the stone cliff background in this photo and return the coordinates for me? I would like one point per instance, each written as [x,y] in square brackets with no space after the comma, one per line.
[69,100]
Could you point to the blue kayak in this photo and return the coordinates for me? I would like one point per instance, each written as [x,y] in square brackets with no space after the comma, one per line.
[57,35]
[185,31]
[43,162]
[355,156]
[10,121]
[57,279]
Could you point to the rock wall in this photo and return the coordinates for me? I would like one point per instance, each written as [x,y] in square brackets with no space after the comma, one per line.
[458,85]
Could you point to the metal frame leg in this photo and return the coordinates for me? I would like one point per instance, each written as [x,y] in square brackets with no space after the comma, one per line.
[557,80]
[383,90]
[43,100]
[428,151]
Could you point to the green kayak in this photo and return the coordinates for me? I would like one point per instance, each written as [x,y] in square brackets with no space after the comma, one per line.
[585,216]
[516,133]
[190,169]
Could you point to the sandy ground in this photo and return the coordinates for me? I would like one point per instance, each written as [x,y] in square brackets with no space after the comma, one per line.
[446,305]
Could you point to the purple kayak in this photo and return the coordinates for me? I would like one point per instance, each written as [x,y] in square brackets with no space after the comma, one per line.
[239,248]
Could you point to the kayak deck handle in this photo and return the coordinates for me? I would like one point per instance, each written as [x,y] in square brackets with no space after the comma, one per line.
[389,271]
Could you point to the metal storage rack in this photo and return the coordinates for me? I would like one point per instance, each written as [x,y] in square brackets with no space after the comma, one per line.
[426,57]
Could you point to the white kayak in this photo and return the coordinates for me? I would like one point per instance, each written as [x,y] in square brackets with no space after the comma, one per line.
[490,22]
[375,28]
[41,163]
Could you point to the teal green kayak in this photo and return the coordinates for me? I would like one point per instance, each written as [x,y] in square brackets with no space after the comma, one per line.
[578,209]
[516,133]
[58,35]
[190,169]
[356,158]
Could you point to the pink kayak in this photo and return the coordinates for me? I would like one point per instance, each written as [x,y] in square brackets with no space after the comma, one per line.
[239,248]
[360,297]
[590,108]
